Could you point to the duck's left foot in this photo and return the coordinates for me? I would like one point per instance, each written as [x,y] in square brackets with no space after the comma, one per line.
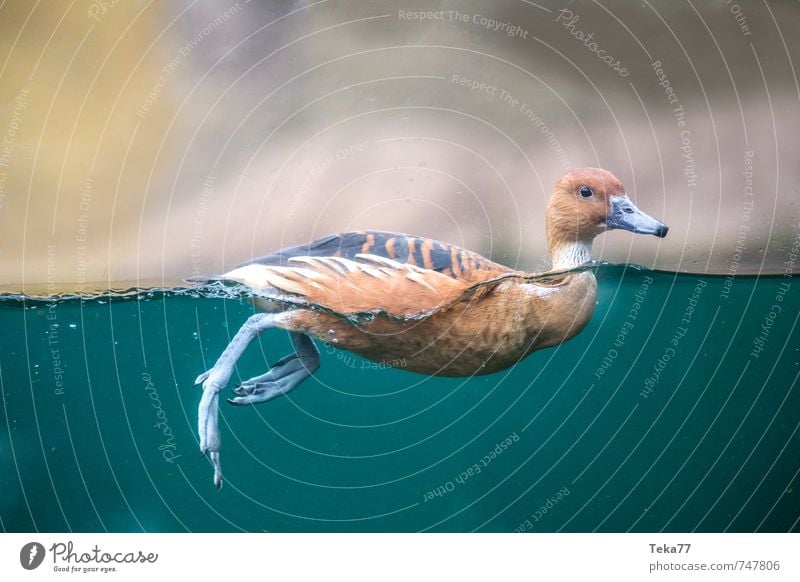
[285,375]
[208,428]
[201,378]
[215,380]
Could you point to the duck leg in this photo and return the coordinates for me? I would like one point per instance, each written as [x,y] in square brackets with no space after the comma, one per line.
[284,376]
[216,379]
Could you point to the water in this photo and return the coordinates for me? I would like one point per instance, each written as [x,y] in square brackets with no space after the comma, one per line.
[676,409]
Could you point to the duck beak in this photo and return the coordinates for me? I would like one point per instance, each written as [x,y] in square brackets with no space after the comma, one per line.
[625,215]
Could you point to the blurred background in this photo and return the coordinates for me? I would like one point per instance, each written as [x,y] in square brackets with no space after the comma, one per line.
[144,142]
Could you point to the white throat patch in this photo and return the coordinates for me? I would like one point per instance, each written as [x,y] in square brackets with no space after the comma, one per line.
[572,255]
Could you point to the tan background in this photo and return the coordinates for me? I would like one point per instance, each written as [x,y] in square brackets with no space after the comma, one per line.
[143,143]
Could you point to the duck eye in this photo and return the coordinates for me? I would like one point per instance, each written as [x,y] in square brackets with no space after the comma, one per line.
[586,192]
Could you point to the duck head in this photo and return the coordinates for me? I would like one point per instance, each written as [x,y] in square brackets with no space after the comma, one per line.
[585,203]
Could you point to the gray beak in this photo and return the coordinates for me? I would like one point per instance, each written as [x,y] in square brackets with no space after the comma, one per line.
[626,216]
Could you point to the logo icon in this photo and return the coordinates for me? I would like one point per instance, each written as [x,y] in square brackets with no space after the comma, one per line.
[31,555]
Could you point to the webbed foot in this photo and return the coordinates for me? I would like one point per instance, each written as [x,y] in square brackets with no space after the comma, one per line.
[208,427]
[281,378]
[284,376]
[215,380]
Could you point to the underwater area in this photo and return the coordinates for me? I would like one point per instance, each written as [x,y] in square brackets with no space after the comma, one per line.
[676,409]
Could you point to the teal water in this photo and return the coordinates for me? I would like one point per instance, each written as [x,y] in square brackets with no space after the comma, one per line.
[676,409]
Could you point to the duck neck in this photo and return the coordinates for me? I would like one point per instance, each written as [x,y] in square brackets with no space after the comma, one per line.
[568,255]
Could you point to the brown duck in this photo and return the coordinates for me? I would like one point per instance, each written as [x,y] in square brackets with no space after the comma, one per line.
[433,307]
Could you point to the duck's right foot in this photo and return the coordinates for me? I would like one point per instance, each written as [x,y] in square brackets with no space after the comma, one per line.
[284,376]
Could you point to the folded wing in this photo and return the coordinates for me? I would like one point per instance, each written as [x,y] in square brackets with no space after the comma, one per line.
[449,260]
[365,283]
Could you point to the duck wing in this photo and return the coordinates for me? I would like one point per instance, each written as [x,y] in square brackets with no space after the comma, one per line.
[365,283]
[449,260]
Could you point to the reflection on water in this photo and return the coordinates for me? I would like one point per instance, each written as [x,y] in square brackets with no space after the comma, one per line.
[676,409]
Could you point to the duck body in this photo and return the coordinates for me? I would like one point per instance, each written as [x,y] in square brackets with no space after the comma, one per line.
[492,321]
[418,304]
[465,339]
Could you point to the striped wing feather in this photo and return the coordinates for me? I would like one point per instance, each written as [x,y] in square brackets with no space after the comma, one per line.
[359,285]
[446,259]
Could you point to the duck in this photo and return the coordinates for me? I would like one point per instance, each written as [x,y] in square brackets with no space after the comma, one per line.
[419,304]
